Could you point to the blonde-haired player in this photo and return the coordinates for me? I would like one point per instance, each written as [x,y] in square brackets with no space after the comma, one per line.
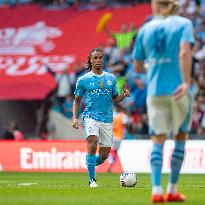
[165,44]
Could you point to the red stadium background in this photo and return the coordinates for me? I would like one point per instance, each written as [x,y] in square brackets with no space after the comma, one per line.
[31,37]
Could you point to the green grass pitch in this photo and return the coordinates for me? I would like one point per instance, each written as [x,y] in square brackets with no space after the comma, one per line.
[72,188]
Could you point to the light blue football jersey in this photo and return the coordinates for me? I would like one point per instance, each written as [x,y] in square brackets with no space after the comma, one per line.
[158,42]
[98,91]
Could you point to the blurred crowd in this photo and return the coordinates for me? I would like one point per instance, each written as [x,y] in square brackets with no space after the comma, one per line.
[131,113]
[195,10]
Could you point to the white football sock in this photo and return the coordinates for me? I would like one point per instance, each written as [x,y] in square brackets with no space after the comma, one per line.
[172,188]
[157,190]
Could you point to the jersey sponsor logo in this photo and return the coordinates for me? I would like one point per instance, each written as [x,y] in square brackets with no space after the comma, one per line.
[153,61]
[100,91]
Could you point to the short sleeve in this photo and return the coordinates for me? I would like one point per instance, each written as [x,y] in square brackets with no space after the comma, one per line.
[187,33]
[114,88]
[79,91]
[138,51]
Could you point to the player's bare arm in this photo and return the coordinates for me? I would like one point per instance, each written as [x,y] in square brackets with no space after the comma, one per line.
[76,105]
[185,64]
[119,98]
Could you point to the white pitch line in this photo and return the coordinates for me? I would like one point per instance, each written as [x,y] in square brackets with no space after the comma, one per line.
[27,184]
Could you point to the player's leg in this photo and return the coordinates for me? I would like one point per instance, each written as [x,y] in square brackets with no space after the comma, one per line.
[182,110]
[159,124]
[99,161]
[91,158]
[91,133]
[176,164]
[156,167]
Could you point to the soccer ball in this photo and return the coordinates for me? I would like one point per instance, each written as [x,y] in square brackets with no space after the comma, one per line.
[128,179]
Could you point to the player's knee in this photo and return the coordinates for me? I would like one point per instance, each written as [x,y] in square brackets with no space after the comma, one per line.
[181,136]
[159,139]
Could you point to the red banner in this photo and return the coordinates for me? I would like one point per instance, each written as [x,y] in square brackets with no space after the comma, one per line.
[69,156]
[44,156]
[31,37]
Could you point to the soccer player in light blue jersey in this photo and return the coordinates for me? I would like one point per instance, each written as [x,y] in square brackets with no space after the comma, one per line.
[165,44]
[100,91]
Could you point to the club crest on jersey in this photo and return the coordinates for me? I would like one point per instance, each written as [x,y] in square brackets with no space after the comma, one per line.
[109,82]
[101,84]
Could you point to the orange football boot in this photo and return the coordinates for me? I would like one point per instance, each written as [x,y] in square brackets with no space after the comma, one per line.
[156,198]
[178,197]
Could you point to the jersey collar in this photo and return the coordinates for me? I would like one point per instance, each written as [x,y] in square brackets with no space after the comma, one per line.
[103,73]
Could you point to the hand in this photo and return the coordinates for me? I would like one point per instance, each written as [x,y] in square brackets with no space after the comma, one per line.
[126,93]
[180,91]
[75,123]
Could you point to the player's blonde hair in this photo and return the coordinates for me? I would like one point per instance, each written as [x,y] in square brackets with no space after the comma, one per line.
[169,6]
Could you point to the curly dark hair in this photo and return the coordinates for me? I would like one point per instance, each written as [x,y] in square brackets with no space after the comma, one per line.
[89,64]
